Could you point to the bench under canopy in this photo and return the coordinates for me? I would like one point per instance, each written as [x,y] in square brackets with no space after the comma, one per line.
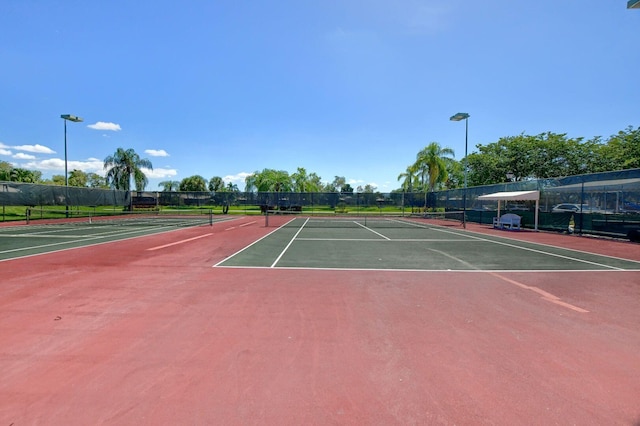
[515,196]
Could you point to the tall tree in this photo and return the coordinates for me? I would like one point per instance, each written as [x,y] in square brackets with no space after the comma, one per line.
[269,180]
[57,180]
[5,170]
[124,165]
[300,180]
[23,175]
[314,182]
[216,184]
[624,149]
[409,178]
[169,185]
[194,183]
[78,178]
[94,180]
[346,189]
[431,165]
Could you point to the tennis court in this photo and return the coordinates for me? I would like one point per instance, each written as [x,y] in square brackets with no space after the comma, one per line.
[404,243]
[57,232]
[306,321]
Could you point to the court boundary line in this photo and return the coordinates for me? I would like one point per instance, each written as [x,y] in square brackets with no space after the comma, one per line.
[316,268]
[288,245]
[465,233]
[216,265]
[401,240]
[547,253]
[82,246]
[129,230]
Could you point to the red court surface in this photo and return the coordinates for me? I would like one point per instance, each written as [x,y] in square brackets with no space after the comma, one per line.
[146,332]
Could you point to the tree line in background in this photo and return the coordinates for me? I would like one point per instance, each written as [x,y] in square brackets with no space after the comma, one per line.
[521,158]
[511,158]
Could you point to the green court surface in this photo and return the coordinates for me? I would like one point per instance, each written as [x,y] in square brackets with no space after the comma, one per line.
[33,239]
[409,246]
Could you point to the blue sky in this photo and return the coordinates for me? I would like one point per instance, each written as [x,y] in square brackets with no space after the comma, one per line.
[347,88]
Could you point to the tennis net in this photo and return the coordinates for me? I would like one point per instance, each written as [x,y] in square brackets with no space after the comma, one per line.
[194,217]
[359,220]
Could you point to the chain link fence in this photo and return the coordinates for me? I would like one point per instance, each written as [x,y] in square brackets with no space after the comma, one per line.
[602,203]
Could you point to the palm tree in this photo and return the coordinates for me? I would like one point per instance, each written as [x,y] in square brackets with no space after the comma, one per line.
[123,165]
[216,184]
[300,179]
[408,178]
[169,185]
[431,163]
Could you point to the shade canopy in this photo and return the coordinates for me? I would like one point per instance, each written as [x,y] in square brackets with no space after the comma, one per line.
[512,196]
[515,196]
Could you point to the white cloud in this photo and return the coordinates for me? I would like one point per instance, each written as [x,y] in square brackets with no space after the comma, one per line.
[237,178]
[159,173]
[101,125]
[4,151]
[156,152]
[23,156]
[38,149]
[90,165]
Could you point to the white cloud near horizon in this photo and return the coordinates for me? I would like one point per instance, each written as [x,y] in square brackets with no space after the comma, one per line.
[4,151]
[37,149]
[156,152]
[159,173]
[237,178]
[90,165]
[101,125]
[23,156]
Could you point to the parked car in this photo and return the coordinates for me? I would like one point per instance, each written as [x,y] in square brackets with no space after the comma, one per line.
[575,208]
[517,207]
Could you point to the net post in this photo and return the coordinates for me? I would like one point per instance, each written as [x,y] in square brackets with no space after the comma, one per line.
[266,217]
[27,214]
[210,217]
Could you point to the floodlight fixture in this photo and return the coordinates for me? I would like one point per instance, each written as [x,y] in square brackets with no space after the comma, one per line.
[633,4]
[462,115]
[71,118]
[459,117]
[75,119]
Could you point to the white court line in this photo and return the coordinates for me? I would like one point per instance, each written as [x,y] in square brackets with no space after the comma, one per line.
[288,245]
[179,242]
[369,229]
[575,259]
[217,265]
[80,246]
[403,240]
[464,237]
[455,271]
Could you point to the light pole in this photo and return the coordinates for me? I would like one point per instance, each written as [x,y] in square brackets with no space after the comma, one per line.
[459,117]
[67,117]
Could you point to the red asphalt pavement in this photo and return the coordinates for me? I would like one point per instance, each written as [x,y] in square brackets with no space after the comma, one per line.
[120,334]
